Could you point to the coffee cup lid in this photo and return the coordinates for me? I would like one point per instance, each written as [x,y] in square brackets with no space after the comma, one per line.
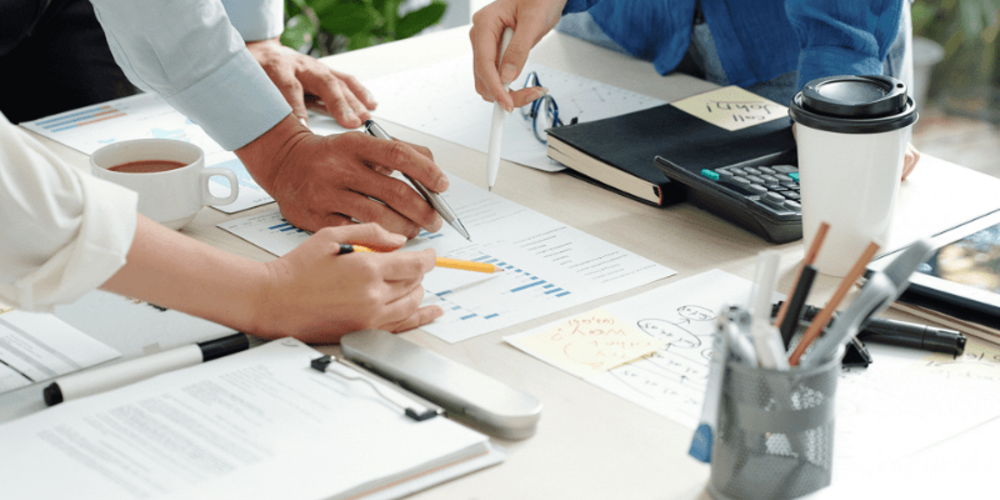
[854,105]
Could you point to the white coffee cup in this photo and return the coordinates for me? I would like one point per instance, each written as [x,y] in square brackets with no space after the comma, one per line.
[170,197]
[851,134]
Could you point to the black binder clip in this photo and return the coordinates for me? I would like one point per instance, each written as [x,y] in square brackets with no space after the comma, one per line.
[410,407]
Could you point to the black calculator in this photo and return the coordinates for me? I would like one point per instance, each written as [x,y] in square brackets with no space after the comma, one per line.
[761,194]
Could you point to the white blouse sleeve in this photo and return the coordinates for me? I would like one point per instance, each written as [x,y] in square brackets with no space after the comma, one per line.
[62,231]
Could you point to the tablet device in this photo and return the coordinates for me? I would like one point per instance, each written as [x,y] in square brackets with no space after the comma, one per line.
[962,276]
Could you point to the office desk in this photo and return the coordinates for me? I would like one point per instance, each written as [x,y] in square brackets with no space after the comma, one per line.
[590,443]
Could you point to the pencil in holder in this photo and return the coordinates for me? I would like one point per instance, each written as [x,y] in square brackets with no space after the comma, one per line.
[775,432]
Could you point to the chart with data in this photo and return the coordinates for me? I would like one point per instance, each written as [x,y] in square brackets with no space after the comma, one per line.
[548,266]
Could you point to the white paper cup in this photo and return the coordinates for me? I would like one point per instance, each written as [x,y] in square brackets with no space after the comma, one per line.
[173,197]
[851,135]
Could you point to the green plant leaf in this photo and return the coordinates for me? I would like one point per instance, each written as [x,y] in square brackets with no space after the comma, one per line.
[299,31]
[347,19]
[360,41]
[414,22]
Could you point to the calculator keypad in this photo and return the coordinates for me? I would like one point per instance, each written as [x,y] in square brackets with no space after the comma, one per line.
[776,185]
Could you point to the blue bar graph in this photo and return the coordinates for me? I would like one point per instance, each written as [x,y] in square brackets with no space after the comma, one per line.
[529,285]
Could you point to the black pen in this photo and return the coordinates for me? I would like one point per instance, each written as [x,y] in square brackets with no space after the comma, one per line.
[436,200]
[127,372]
[904,334]
[790,323]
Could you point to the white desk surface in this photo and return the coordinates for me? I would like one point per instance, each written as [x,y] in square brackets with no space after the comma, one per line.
[590,443]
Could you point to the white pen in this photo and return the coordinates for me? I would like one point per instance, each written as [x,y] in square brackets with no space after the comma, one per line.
[496,129]
[767,339]
[436,200]
[127,372]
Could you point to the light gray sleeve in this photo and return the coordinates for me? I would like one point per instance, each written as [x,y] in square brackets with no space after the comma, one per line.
[188,52]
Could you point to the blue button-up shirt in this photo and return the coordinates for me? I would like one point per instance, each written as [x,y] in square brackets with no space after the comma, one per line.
[757,40]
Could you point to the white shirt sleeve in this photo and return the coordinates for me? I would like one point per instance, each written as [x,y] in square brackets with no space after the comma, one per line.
[188,52]
[256,19]
[62,232]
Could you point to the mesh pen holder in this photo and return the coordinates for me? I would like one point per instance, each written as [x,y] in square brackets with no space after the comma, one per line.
[775,432]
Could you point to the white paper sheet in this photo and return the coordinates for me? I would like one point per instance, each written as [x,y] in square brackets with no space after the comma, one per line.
[258,424]
[683,314]
[37,347]
[147,116]
[549,266]
[441,100]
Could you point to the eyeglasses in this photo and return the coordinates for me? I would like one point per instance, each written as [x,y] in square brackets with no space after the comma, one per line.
[543,113]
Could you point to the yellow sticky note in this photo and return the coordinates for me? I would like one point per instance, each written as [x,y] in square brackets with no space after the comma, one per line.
[591,343]
[732,108]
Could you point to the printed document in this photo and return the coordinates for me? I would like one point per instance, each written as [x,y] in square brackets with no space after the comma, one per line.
[441,100]
[548,266]
[260,424]
[35,347]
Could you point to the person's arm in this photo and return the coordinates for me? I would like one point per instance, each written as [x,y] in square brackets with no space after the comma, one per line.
[311,293]
[261,23]
[843,37]
[66,233]
[846,37]
[188,52]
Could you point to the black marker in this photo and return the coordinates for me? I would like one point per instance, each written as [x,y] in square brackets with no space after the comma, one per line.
[904,334]
[122,374]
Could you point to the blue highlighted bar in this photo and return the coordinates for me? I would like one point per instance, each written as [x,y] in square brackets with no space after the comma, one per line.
[491,316]
[289,228]
[550,292]
[501,263]
[469,316]
[562,294]
[446,292]
[62,118]
[480,259]
[272,228]
[490,261]
[550,285]
[529,285]
[436,235]
[456,308]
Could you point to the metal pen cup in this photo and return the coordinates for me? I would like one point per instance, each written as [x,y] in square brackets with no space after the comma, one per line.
[775,432]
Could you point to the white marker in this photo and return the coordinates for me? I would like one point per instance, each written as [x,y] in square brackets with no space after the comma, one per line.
[122,374]
[496,130]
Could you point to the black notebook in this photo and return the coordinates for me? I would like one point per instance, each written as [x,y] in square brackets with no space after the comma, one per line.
[619,152]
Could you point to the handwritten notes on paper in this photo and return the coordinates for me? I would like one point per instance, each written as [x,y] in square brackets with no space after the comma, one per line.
[591,343]
[680,318]
[732,108]
[980,361]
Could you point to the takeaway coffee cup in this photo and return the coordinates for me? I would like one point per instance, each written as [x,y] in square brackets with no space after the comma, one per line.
[169,176]
[852,133]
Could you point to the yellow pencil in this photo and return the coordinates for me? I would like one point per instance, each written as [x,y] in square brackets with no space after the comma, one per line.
[463,265]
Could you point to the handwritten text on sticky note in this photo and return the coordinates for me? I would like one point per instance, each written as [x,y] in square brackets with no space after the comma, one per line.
[732,108]
[591,343]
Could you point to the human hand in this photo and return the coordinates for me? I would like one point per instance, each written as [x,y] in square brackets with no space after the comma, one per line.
[910,160]
[323,181]
[316,295]
[296,74]
[531,20]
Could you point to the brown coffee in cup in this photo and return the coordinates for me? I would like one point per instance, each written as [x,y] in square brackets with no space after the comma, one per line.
[147,166]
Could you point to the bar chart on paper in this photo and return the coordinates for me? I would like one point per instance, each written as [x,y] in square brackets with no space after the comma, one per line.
[548,266]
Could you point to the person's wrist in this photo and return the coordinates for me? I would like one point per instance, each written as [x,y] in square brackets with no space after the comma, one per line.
[264,156]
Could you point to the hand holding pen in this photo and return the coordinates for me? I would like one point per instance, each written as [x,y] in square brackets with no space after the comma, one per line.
[436,200]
